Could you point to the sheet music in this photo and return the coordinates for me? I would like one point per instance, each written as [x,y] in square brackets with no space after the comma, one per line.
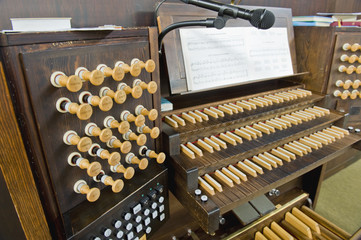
[233,55]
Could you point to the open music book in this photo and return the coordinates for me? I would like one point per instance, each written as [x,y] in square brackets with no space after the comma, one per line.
[234,55]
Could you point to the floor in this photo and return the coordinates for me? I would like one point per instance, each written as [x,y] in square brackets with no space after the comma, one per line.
[340,198]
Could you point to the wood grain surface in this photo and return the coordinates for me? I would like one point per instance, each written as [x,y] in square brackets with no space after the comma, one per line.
[17,173]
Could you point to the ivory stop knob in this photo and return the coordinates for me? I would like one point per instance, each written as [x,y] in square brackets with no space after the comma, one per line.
[91,194]
[104,135]
[72,138]
[356,84]
[91,129]
[110,122]
[124,127]
[105,103]
[149,65]
[154,132]
[160,157]
[350,69]
[141,110]
[93,169]
[113,158]
[125,146]
[117,185]
[134,69]
[72,83]
[96,77]
[127,116]
[132,159]
[141,139]
[127,172]
[119,96]
[136,91]
[82,111]
[117,73]
[355,47]
[151,86]
[354,94]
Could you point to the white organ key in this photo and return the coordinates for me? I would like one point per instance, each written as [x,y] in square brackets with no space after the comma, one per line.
[247,169]
[212,143]
[244,105]
[274,158]
[268,160]
[291,155]
[202,115]
[231,175]
[187,151]
[225,109]
[206,186]
[233,136]
[219,112]
[228,139]
[234,109]
[262,129]
[188,117]
[194,148]
[243,134]
[223,178]
[219,142]
[254,166]
[213,183]
[205,145]
[238,173]
[257,132]
[262,163]
[195,116]
[210,113]
[179,120]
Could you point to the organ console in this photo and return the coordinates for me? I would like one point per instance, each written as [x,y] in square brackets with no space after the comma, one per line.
[226,148]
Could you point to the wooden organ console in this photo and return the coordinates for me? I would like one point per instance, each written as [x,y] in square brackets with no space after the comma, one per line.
[87,107]
[228,147]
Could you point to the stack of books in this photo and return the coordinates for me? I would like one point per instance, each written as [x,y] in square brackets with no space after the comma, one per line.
[343,19]
[319,21]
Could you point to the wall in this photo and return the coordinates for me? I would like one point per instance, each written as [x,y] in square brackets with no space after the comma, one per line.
[131,13]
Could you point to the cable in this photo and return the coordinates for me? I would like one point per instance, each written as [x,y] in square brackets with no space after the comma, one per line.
[156,11]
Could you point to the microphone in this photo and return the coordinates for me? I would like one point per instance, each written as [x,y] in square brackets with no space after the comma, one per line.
[259,18]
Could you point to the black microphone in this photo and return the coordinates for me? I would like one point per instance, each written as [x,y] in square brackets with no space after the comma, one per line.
[259,18]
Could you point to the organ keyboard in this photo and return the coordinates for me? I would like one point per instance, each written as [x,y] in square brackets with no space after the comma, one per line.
[235,154]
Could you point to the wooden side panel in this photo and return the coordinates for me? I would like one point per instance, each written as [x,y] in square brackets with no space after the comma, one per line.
[314,50]
[17,173]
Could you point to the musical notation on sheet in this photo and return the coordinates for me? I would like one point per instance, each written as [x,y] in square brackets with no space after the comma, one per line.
[233,55]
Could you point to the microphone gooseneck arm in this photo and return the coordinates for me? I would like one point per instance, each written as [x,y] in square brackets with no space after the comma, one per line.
[218,22]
